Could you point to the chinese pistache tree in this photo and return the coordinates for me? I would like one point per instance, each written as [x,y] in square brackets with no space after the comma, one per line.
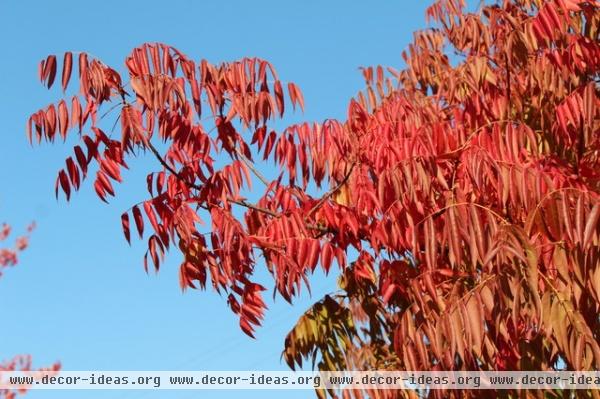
[459,201]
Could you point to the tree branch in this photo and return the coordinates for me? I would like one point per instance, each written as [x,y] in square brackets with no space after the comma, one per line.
[197,187]
[331,192]
[243,203]
[251,166]
[168,167]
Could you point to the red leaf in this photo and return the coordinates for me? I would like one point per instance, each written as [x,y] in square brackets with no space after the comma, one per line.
[313,257]
[64,183]
[151,215]
[81,159]
[49,70]
[269,144]
[326,257]
[279,96]
[100,190]
[152,241]
[76,113]
[63,119]
[149,183]
[125,224]
[340,256]
[73,173]
[29,130]
[41,69]
[295,95]
[196,96]
[67,67]
[111,168]
[247,327]
[389,291]
[160,182]
[50,122]
[107,187]
[139,220]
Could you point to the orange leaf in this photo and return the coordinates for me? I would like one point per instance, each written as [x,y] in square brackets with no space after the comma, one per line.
[591,225]
[63,118]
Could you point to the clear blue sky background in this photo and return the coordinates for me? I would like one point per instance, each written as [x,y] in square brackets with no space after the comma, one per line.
[80,294]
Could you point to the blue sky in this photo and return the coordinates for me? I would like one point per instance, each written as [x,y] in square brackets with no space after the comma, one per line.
[80,294]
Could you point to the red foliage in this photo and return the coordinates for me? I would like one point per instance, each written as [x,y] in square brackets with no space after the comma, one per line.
[8,257]
[470,192]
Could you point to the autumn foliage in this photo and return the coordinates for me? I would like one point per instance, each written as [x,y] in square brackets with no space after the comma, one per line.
[460,201]
[9,258]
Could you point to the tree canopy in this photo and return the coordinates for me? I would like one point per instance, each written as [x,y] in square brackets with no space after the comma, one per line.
[458,201]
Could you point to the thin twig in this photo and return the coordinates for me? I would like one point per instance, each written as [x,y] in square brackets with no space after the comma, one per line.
[251,166]
[168,167]
[331,192]
[197,187]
